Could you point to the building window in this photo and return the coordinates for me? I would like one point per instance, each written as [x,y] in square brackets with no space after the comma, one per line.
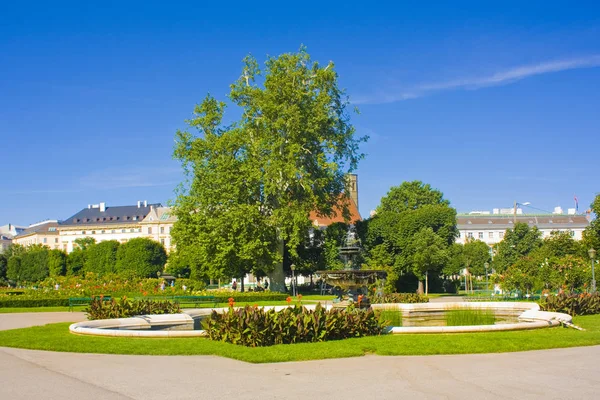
[114,231]
[132,230]
[55,240]
[162,229]
[470,235]
[149,230]
[103,231]
[45,240]
[501,234]
[573,233]
[491,235]
[93,232]
[480,235]
[123,230]
[162,241]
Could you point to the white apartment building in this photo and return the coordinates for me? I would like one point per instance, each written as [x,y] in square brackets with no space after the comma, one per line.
[101,222]
[490,228]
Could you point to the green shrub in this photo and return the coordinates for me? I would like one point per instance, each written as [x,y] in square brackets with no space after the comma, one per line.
[27,301]
[573,303]
[249,297]
[124,308]
[254,327]
[399,298]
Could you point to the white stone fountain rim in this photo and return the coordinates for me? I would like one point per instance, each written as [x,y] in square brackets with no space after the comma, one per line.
[531,317]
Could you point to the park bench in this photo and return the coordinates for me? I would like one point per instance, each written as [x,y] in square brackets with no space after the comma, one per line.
[196,300]
[84,301]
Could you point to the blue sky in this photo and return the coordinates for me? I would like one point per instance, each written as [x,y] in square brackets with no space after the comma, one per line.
[488,104]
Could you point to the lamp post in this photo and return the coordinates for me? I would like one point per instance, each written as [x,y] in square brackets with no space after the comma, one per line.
[293,268]
[486,266]
[515,209]
[592,254]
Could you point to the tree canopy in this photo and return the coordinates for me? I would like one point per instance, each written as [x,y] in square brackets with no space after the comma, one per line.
[252,183]
[518,242]
[141,257]
[412,218]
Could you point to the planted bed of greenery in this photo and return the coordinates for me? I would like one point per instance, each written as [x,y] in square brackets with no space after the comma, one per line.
[255,327]
[573,304]
[399,298]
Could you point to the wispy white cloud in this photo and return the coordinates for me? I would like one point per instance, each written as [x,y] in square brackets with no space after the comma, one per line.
[504,77]
[116,178]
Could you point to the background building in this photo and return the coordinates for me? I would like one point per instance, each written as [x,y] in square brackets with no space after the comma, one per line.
[101,222]
[157,226]
[45,233]
[490,228]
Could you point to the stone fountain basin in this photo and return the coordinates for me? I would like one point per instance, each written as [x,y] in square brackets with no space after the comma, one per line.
[180,325]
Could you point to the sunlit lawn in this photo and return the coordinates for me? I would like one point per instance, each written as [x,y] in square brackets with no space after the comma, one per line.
[56,337]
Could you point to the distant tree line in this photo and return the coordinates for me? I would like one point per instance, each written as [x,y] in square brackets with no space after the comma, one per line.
[139,257]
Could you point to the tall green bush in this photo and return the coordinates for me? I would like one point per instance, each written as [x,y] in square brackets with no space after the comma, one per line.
[57,262]
[141,257]
[101,258]
[124,308]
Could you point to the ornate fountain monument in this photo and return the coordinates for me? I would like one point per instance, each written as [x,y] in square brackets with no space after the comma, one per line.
[351,282]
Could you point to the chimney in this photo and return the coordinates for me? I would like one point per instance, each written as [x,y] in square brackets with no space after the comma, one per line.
[145,203]
[102,206]
[139,203]
[89,206]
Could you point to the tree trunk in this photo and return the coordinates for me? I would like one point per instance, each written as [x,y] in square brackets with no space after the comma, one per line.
[242,285]
[426,284]
[277,276]
[420,288]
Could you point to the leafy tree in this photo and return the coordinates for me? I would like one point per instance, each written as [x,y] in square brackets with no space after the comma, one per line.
[75,261]
[34,264]
[101,258]
[13,268]
[427,253]
[476,253]
[57,262]
[406,214]
[141,257]
[3,266]
[411,196]
[558,244]
[251,185]
[456,260]
[311,253]
[518,242]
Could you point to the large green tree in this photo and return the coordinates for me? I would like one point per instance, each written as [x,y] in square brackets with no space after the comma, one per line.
[401,230]
[476,253]
[517,243]
[101,258]
[3,265]
[57,262]
[252,183]
[141,257]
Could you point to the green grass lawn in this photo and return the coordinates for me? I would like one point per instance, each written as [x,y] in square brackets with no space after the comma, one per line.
[56,337]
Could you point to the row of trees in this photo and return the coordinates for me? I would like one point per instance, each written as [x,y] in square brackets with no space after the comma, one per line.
[140,257]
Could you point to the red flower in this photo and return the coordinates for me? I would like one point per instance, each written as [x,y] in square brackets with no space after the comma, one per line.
[299,297]
[289,299]
[231,301]
[145,293]
[360,299]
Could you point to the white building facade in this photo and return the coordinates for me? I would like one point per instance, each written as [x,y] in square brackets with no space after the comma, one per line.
[102,223]
[490,228]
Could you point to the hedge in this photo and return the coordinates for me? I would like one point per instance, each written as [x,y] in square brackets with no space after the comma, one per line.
[25,302]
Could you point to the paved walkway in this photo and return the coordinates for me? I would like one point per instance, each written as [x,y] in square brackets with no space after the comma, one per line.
[550,374]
